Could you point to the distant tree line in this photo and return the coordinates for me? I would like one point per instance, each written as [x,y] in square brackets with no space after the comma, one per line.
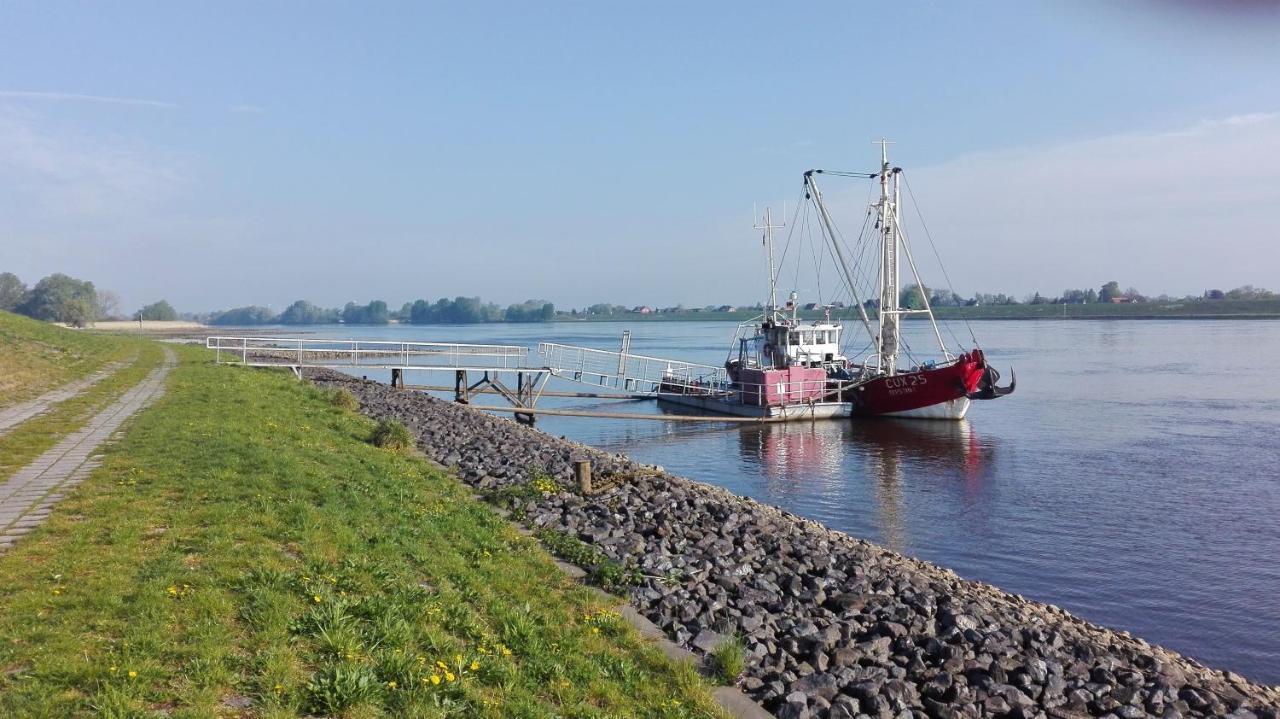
[913,297]
[60,298]
[460,310]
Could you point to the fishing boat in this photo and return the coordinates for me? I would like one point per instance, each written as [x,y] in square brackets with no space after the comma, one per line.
[782,366]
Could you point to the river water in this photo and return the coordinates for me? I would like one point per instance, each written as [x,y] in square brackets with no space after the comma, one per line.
[1133,479]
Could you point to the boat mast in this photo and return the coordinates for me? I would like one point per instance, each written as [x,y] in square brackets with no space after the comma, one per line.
[768,228]
[887,351]
[812,192]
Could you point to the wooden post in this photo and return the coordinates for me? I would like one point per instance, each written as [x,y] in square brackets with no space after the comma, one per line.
[397,378]
[582,471]
[460,387]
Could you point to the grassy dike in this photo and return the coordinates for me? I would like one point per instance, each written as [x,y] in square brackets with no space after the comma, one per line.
[36,356]
[243,551]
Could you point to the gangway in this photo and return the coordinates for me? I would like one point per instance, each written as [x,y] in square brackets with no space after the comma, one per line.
[492,361]
[297,353]
[629,372]
[634,376]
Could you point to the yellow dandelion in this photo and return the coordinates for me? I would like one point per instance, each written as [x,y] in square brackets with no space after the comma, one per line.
[475,666]
[112,670]
[391,685]
[435,678]
[506,652]
[448,676]
[132,674]
[316,597]
[595,630]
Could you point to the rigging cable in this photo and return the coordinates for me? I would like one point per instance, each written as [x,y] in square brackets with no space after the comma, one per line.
[941,266]
[791,231]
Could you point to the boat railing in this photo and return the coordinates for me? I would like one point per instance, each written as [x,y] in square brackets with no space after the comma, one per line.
[758,393]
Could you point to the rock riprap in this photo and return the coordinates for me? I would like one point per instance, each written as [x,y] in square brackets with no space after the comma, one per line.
[833,626]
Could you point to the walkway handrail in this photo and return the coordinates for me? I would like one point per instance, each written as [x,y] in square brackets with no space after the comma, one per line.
[302,352]
[634,371]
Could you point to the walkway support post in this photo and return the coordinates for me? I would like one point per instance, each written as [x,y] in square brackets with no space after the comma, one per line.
[460,387]
[582,471]
[524,398]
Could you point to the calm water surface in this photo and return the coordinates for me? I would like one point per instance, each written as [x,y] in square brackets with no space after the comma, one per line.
[1132,478]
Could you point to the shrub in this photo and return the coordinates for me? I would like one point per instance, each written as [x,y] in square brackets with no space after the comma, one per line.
[344,399]
[393,435]
[728,660]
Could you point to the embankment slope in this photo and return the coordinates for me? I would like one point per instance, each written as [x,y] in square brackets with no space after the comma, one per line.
[834,626]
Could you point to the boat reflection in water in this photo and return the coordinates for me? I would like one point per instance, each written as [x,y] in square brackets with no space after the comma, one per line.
[817,464]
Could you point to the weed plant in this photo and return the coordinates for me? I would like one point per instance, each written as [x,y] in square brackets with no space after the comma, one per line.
[729,660]
[392,435]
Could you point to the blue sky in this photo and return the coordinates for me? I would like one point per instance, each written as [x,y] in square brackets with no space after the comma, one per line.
[218,154]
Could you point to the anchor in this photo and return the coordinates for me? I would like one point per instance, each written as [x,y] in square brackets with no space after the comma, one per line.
[988,387]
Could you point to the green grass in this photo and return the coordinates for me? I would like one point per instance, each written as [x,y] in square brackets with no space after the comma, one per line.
[36,357]
[243,550]
[729,659]
[28,440]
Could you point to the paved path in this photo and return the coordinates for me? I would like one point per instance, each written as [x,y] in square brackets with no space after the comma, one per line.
[28,496]
[11,417]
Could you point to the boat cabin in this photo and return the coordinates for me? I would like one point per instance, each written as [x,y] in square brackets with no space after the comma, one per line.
[783,345]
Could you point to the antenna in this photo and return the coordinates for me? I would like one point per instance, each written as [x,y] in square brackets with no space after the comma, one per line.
[768,227]
[884,149]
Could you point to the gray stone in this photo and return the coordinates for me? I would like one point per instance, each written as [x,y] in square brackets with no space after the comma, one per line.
[707,641]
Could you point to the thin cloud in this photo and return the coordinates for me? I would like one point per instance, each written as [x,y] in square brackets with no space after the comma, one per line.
[53,177]
[1171,211]
[77,97]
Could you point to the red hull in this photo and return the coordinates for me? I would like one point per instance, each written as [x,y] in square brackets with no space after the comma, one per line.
[911,391]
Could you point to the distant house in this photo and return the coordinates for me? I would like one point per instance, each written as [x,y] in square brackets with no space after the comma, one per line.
[643,310]
[1122,300]
[726,308]
[812,306]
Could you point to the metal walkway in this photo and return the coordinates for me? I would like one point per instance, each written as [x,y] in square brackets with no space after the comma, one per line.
[638,376]
[491,362]
[297,353]
[626,371]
